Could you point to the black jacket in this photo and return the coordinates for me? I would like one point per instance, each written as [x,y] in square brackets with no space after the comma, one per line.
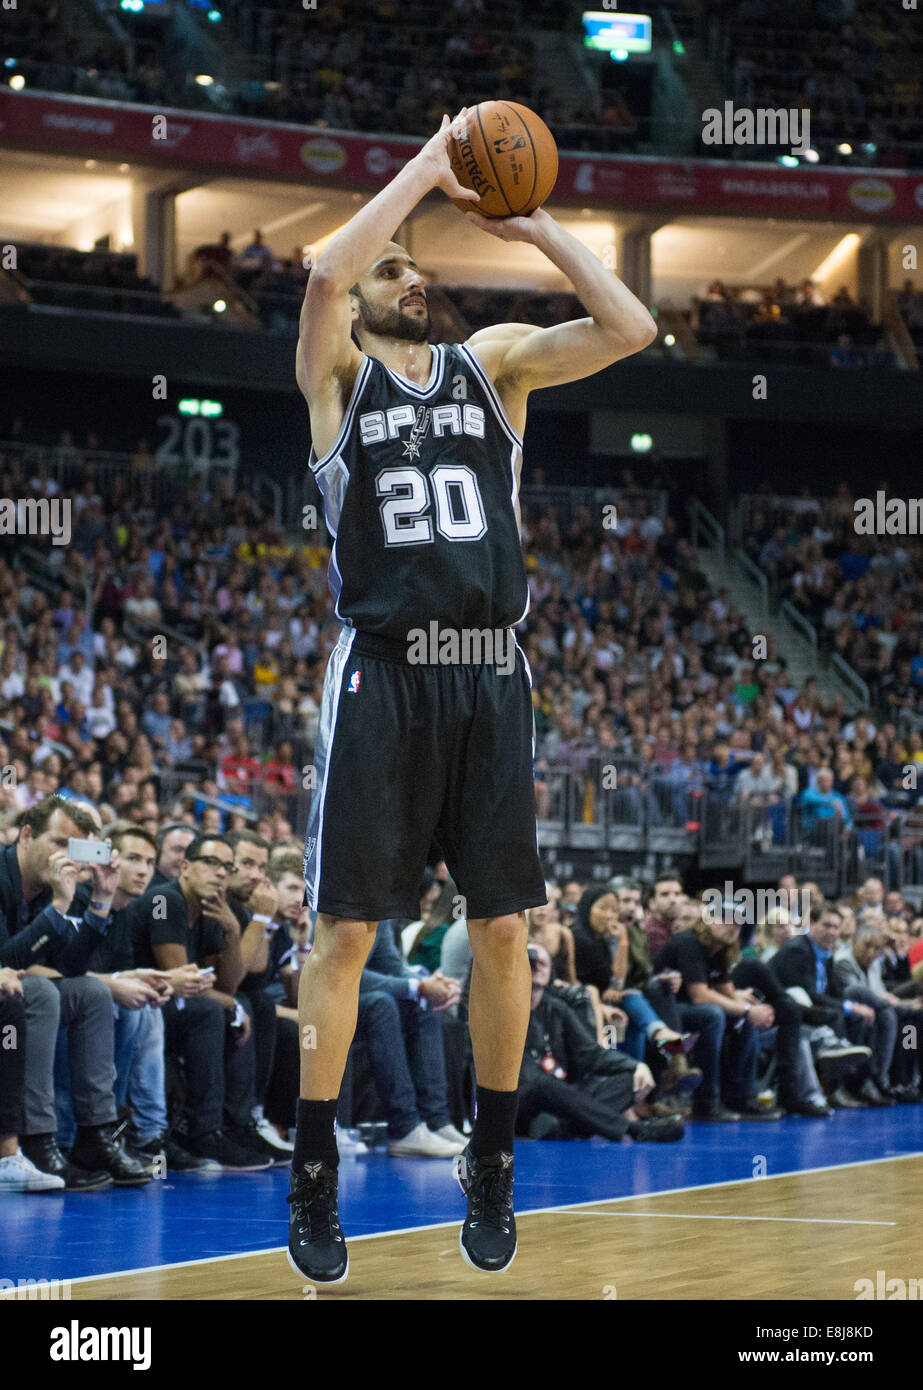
[592,960]
[35,933]
[555,1028]
[795,964]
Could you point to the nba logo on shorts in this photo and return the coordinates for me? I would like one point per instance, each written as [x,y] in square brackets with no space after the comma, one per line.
[354,680]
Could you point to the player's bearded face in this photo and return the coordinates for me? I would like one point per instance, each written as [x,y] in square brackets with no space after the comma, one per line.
[393,320]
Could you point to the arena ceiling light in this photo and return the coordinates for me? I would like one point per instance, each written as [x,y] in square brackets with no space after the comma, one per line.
[844,147]
[204,80]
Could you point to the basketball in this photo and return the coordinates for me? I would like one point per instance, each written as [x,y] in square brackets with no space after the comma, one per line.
[509,156]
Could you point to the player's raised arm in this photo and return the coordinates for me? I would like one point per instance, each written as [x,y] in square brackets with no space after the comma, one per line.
[325,348]
[620,325]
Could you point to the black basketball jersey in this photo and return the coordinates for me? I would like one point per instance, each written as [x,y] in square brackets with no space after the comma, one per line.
[420,495]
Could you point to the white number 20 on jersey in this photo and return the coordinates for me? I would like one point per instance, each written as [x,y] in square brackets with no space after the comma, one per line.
[406,511]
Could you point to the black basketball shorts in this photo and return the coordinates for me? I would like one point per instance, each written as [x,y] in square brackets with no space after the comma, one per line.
[411,754]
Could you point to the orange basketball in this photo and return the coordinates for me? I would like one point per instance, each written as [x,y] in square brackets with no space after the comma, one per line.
[508,156]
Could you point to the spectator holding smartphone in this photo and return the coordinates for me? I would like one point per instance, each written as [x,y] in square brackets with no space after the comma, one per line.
[37,885]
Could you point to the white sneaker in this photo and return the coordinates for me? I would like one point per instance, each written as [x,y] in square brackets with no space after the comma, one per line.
[452,1136]
[422,1143]
[348,1142]
[271,1135]
[19,1174]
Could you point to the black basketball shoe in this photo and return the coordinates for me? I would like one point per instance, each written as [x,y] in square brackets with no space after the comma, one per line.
[488,1236]
[316,1245]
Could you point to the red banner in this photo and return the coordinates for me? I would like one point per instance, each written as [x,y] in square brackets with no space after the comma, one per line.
[229,145]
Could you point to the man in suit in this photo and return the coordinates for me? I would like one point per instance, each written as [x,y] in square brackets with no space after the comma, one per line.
[805,964]
[401,1025]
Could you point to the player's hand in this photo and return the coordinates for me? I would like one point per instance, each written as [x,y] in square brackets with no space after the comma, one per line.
[511,228]
[434,158]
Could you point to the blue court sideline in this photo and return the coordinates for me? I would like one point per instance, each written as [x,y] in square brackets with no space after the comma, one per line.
[49,1237]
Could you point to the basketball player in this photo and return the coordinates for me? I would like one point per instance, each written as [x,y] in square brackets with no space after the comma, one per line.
[417,450]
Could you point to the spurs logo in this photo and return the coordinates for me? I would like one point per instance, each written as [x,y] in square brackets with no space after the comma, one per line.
[417,434]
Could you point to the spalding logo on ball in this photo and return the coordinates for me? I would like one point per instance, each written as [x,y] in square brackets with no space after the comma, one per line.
[508,156]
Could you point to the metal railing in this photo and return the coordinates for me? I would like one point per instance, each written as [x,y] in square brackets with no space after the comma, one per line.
[801,625]
[701,519]
[753,572]
[851,679]
[719,830]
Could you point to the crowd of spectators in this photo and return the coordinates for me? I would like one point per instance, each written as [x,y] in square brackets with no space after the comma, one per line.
[856,71]
[636,659]
[857,68]
[167,684]
[861,590]
[787,323]
[152,999]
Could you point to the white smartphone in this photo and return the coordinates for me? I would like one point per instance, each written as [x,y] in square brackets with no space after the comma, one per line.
[89,851]
[207,970]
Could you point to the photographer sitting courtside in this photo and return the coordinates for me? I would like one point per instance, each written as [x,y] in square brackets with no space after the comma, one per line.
[569,1086]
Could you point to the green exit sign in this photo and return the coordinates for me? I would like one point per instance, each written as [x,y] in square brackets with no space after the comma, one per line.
[209,409]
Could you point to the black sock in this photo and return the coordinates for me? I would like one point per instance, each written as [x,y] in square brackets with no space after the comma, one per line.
[494,1122]
[315,1138]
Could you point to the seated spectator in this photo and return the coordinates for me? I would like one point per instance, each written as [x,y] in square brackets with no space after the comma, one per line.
[804,967]
[858,980]
[663,911]
[188,922]
[546,928]
[425,947]
[727,1019]
[37,886]
[173,838]
[17,1172]
[569,1086]
[780,928]
[823,803]
[138,996]
[400,1024]
[602,961]
[272,903]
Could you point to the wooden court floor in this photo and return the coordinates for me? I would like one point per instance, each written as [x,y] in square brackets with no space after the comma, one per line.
[809,1235]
